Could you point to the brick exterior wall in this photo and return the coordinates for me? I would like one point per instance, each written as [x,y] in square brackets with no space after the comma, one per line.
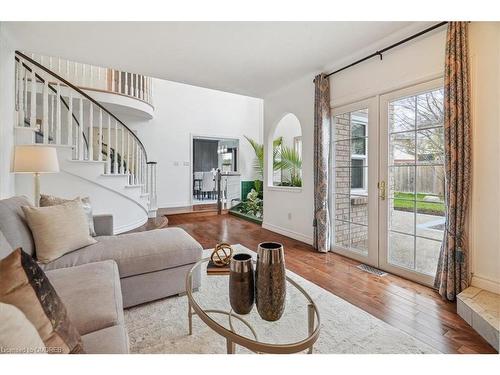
[351,209]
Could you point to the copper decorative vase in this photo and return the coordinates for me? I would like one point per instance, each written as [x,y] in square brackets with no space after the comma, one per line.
[270,281]
[241,283]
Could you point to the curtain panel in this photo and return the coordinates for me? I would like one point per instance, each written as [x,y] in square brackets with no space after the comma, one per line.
[322,124]
[453,265]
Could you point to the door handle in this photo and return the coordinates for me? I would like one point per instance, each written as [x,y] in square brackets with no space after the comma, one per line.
[381,189]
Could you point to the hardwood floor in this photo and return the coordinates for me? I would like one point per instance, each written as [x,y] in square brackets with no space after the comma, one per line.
[411,307]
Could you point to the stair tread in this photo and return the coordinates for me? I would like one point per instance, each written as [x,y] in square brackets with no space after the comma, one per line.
[86,161]
[114,175]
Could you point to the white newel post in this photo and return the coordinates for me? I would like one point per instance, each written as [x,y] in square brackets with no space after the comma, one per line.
[91,131]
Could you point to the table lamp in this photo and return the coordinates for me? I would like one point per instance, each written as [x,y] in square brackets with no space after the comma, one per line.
[36,160]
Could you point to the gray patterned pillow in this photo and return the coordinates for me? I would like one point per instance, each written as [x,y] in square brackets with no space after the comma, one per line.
[49,200]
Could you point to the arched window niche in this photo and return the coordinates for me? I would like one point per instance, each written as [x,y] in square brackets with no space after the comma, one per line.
[284,156]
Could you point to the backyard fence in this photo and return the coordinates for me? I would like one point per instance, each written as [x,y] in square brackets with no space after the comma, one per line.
[429,179]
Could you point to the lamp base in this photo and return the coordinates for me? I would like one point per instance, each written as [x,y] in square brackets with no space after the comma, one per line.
[37,189]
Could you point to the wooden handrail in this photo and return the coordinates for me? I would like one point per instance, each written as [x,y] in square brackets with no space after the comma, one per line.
[69,84]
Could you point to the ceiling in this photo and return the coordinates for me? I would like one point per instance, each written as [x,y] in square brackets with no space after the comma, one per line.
[249,58]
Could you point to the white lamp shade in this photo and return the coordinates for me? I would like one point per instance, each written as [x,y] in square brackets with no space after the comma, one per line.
[35,159]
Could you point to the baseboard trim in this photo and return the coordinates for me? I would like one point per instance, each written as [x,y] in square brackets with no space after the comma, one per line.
[486,284]
[289,233]
[130,226]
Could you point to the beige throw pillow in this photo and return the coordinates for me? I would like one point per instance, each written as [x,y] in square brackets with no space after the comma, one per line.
[50,200]
[23,284]
[17,333]
[57,230]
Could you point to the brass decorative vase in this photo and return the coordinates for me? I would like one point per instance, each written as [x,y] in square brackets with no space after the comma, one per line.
[241,283]
[270,281]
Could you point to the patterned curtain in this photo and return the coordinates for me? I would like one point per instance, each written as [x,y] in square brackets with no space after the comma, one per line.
[322,119]
[453,266]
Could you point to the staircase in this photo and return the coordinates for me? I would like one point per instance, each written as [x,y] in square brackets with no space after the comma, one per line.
[97,152]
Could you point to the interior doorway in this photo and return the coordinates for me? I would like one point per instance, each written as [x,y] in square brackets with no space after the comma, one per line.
[210,154]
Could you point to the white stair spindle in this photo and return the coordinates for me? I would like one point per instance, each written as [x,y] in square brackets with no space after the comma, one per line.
[58,114]
[59,66]
[113,86]
[70,118]
[91,76]
[128,153]
[122,159]
[81,133]
[19,94]
[126,83]
[45,112]
[25,95]
[132,164]
[134,82]
[108,159]
[136,164]
[99,147]
[119,89]
[33,98]
[83,75]
[67,70]
[51,121]
[91,131]
[115,164]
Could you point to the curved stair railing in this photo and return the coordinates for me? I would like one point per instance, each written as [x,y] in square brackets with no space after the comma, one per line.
[92,77]
[62,114]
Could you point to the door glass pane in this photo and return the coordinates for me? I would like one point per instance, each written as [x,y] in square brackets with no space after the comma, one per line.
[402,148]
[341,234]
[416,181]
[401,250]
[402,215]
[350,170]
[402,115]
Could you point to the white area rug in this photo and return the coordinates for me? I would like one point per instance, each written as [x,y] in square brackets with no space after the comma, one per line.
[162,327]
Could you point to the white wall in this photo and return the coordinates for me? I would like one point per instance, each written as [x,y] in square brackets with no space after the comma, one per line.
[485,213]
[7,81]
[289,211]
[182,111]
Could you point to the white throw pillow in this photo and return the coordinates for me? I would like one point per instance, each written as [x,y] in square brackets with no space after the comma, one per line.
[57,230]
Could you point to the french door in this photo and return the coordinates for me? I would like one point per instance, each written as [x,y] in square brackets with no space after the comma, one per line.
[388,181]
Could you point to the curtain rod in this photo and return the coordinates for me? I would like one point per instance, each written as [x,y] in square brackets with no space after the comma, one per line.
[380,52]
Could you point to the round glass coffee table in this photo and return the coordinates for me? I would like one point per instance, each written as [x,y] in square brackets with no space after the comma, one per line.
[296,331]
